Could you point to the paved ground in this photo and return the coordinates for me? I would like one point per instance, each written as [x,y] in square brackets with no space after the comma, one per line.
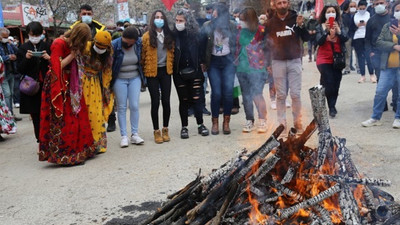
[120,185]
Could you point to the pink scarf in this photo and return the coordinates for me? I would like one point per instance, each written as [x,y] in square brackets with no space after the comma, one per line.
[75,85]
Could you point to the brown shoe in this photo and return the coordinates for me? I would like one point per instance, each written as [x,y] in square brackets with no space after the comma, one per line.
[225,125]
[165,135]
[157,137]
[214,128]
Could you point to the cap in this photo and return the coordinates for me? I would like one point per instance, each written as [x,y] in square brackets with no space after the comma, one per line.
[102,39]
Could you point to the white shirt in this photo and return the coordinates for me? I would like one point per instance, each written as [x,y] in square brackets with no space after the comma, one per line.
[221,45]
[360,32]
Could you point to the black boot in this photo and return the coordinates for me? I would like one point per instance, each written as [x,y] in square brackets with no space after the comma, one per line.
[111,122]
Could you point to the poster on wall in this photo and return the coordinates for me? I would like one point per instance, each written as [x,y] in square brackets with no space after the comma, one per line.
[35,13]
[123,10]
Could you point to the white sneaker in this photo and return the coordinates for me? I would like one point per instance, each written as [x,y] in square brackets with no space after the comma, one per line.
[262,126]
[371,122]
[273,105]
[396,123]
[16,105]
[288,105]
[124,142]
[135,139]
[248,127]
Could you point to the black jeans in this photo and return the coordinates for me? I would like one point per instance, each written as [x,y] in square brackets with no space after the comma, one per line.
[376,63]
[359,46]
[190,94]
[161,82]
[330,79]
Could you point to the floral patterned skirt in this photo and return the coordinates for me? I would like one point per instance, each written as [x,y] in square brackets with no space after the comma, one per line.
[7,123]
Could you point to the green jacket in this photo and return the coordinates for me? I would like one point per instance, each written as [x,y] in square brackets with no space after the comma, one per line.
[207,41]
[385,45]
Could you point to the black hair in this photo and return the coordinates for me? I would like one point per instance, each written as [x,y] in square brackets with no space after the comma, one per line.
[35,27]
[209,6]
[346,6]
[362,2]
[86,7]
[120,23]
[394,6]
[322,18]
[131,33]
[236,11]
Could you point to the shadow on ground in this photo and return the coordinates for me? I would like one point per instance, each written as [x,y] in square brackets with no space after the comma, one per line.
[140,213]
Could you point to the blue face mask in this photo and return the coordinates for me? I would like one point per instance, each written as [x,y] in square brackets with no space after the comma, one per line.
[42,37]
[87,19]
[159,23]
[208,16]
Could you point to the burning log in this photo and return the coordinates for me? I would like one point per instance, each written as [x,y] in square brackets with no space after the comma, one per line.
[285,182]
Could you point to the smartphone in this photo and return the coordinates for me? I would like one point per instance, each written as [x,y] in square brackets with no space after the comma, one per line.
[37,54]
[331,20]
[394,22]
[361,21]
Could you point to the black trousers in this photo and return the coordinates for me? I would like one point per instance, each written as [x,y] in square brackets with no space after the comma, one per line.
[190,94]
[359,46]
[162,82]
[36,124]
[330,79]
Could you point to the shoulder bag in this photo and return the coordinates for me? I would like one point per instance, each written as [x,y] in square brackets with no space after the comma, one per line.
[29,86]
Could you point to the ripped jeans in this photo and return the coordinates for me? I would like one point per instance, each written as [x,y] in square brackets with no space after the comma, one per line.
[190,94]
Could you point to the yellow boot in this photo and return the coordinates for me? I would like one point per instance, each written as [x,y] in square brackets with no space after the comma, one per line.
[165,135]
[157,137]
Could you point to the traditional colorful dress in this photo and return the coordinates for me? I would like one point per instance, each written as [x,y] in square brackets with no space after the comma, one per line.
[65,132]
[96,91]
[7,123]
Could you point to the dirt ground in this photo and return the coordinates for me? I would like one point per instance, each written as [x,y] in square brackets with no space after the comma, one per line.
[122,185]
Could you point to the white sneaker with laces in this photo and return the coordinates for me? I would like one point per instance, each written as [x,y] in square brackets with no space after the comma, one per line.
[135,139]
[396,124]
[273,105]
[288,105]
[371,122]
[248,127]
[124,142]
[262,126]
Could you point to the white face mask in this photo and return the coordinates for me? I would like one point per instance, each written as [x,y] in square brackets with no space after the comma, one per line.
[353,10]
[34,40]
[329,15]
[99,51]
[237,20]
[362,11]
[396,15]
[87,19]
[380,9]
[311,17]
[180,26]
[4,40]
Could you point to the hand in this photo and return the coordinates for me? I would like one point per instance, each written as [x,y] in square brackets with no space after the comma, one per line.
[371,54]
[300,20]
[361,24]
[395,30]
[397,48]
[45,55]
[328,27]
[314,31]
[310,32]
[203,68]
[28,54]
[13,57]
[336,27]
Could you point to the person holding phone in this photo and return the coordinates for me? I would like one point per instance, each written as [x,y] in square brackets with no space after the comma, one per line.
[33,59]
[388,43]
[331,38]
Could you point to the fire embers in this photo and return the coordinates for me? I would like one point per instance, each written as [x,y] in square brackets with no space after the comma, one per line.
[285,182]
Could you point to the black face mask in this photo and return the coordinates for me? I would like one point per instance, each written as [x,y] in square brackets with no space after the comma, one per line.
[126,45]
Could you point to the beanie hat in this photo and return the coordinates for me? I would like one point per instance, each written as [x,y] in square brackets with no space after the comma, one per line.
[102,39]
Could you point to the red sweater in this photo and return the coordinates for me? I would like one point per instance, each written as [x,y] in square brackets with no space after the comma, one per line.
[325,53]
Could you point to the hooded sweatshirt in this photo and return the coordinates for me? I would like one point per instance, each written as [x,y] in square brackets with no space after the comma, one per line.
[284,37]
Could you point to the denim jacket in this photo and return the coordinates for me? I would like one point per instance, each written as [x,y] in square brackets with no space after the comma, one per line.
[119,56]
[6,58]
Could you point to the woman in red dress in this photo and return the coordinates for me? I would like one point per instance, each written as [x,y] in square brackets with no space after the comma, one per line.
[65,132]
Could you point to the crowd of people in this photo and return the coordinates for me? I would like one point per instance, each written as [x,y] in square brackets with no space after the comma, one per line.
[89,77]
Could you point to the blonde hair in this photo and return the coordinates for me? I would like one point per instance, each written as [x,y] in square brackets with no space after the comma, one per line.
[78,37]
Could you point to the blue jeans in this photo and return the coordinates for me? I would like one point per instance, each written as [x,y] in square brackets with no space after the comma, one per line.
[387,79]
[8,90]
[128,90]
[221,75]
[252,85]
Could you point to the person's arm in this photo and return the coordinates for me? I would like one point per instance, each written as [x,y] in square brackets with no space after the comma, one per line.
[320,35]
[383,43]
[301,29]
[368,39]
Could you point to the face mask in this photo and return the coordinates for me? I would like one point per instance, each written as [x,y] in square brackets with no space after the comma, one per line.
[262,21]
[4,40]
[180,26]
[87,19]
[237,20]
[208,16]
[380,9]
[126,45]
[311,17]
[329,15]
[243,24]
[42,37]
[362,11]
[159,23]
[353,10]
[397,15]
[34,40]
[98,50]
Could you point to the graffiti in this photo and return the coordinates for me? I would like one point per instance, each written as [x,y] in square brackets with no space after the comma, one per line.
[35,13]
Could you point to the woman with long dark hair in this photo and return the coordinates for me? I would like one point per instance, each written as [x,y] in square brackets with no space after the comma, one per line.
[251,69]
[189,86]
[331,38]
[157,61]
[36,67]
[218,42]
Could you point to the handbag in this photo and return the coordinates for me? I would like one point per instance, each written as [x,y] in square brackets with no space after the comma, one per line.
[29,86]
[188,73]
[339,59]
